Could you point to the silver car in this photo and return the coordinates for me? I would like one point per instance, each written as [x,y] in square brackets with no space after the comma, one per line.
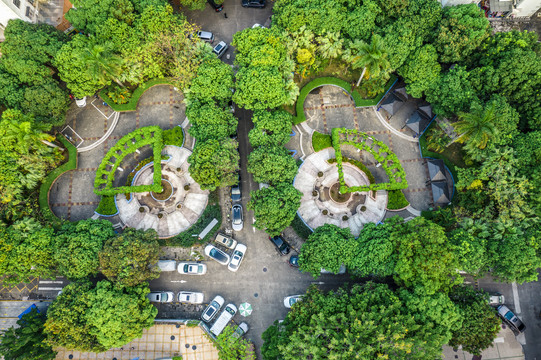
[161,296]
[191,297]
[220,49]
[191,268]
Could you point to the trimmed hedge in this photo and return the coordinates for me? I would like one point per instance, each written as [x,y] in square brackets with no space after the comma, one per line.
[320,141]
[357,99]
[132,104]
[357,164]
[389,161]
[189,237]
[53,175]
[107,206]
[127,145]
[300,227]
[397,200]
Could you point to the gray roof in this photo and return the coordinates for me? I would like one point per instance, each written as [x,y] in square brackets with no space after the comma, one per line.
[501,6]
[440,192]
[414,122]
[436,170]
[427,110]
[402,94]
[391,104]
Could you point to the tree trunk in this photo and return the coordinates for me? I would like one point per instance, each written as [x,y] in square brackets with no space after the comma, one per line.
[119,82]
[361,77]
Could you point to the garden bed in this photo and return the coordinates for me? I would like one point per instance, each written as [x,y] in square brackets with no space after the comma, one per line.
[134,99]
[320,141]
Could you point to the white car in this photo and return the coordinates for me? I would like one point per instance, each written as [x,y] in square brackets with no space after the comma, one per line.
[236,259]
[289,301]
[190,297]
[220,49]
[237,222]
[241,330]
[213,308]
[161,296]
[190,268]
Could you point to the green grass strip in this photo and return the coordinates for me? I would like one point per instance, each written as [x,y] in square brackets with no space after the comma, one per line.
[357,99]
[321,141]
[132,104]
[53,175]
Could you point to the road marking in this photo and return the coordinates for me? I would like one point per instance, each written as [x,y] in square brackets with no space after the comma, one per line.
[49,288]
[50,282]
[253,222]
[180,281]
[318,282]
[515,298]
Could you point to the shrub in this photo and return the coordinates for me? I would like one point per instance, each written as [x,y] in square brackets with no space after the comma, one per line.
[107,206]
[189,237]
[320,141]
[325,212]
[300,227]
[397,200]
[174,136]
[119,95]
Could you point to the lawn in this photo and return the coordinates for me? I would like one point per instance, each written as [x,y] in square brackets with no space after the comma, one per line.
[320,141]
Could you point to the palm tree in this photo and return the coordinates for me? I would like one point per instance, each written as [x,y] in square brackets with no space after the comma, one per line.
[102,63]
[371,57]
[24,135]
[477,126]
[330,46]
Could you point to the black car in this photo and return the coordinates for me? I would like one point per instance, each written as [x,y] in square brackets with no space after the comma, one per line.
[294,261]
[215,6]
[254,3]
[281,245]
[236,194]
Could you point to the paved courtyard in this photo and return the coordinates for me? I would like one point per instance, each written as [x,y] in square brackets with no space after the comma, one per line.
[71,196]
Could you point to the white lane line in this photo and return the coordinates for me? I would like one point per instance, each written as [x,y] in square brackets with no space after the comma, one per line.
[49,288]
[515,298]
[50,282]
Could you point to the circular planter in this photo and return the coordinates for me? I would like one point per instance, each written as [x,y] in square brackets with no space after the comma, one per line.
[186,187]
[166,193]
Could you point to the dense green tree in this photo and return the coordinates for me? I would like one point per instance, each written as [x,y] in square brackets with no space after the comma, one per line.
[272,165]
[330,46]
[72,68]
[47,101]
[260,88]
[424,256]
[25,159]
[27,251]
[88,318]
[77,246]
[401,40]
[274,207]
[102,63]
[470,251]
[372,58]
[214,163]
[213,83]
[270,128]
[26,342]
[129,259]
[375,252]
[461,30]
[328,247]
[233,348]
[476,127]
[361,21]
[89,15]
[193,4]
[367,321]
[261,47]
[480,324]
[210,121]
[420,70]
[319,16]
[452,92]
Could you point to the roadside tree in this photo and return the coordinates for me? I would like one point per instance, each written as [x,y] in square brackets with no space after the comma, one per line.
[274,207]
[375,252]
[213,83]
[210,121]
[77,246]
[272,165]
[130,258]
[260,88]
[214,163]
[232,348]
[270,128]
[420,70]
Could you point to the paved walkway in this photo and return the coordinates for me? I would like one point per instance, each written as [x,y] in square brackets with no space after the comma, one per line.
[71,196]
[173,215]
[317,204]
[160,341]
[328,107]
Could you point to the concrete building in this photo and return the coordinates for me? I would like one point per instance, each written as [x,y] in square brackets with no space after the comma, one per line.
[501,8]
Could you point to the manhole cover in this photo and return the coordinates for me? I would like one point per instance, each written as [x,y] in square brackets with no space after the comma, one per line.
[256,295]
[70,357]
[187,345]
[172,337]
[194,347]
[264,269]
[177,326]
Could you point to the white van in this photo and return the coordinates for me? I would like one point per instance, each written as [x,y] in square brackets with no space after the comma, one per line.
[222,321]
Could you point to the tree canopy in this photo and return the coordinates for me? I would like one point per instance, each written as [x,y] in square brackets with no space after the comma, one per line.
[129,259]
[213,83]
[77,246]
[274,207]
[210,121]
[272,165]
[270,128]
[214,163]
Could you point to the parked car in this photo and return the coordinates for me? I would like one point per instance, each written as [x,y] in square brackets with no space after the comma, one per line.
[167,265]
[258,25]
[238,255]
[226,241]
[294,261]
[496,299]
[190,297]
[342,270]
[510,318]
[191,268]
[217,254]
[220,49]
[80,102]
[237,222]
[216,7]
[254,3]
[212,309]
[236,194]
[205,36]
[161,296]
[224,318]
[289,301]
[241,330]
[281,245]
